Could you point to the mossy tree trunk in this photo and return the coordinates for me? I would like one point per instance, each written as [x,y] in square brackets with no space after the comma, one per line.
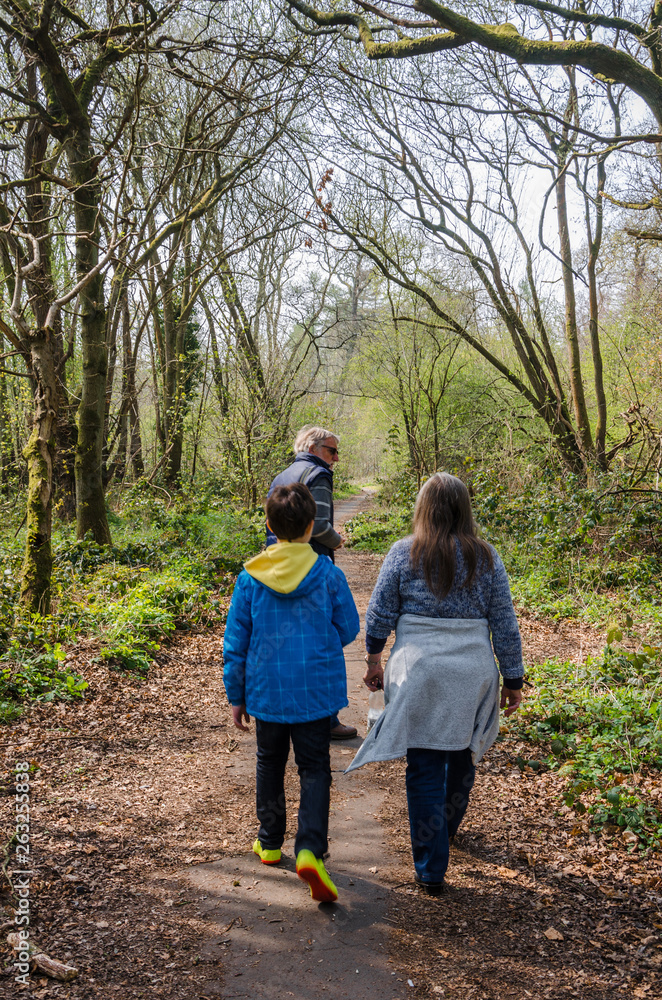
[177,286]
[40,282]
[174,404]
[130,391]
[90,499]
[39,455]
[135,439]
[594,243]
[5,427]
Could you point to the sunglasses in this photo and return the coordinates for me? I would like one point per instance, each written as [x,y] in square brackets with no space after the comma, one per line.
[334,451]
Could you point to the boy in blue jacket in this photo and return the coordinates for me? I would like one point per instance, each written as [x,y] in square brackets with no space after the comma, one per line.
[291,614]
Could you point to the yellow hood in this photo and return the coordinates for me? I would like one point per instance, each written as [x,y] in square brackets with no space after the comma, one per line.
[283,566]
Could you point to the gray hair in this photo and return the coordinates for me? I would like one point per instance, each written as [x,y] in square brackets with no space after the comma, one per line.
[308,437]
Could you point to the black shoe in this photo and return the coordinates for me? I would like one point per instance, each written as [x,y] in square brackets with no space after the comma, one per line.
[430,888]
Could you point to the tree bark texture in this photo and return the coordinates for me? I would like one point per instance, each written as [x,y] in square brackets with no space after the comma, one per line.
[571,330]
[600,395]
[41,286]
[90,500]
[39,453]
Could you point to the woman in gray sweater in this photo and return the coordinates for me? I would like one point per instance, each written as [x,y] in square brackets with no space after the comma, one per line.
[446,593]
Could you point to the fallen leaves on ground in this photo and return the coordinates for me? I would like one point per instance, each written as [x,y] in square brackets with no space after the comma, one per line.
[146,776]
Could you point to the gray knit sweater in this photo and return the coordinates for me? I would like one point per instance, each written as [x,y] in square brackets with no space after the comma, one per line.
[402,590]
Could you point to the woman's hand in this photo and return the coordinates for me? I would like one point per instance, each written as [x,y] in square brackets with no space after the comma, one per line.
[239,713]
[512,698]
[373,677]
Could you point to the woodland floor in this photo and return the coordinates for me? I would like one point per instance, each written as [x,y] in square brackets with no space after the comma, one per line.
[143,809]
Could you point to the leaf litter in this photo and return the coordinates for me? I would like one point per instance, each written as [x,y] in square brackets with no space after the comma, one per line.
[146,776]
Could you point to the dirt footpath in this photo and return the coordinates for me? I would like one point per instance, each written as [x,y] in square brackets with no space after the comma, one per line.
[142,817]
[275,941]
[535,905]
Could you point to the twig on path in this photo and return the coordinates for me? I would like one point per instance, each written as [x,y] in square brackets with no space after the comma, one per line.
[233,921]
[43,962]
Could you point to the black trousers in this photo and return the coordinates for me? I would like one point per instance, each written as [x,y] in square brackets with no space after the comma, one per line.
[311,753]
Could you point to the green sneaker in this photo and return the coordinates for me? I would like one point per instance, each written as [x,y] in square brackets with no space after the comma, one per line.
[312,871]
[266,857]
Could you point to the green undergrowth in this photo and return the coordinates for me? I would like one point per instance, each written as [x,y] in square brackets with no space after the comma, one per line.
[35,675]
[375,531]
[599,725]
[576,552]
[169,567]
[343,488]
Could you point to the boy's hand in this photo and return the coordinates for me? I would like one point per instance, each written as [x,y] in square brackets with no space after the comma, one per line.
[239,713]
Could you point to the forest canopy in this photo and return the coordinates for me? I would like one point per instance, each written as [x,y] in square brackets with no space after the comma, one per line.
[436,230]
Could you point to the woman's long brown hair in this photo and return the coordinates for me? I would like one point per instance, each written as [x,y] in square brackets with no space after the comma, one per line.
[443,515]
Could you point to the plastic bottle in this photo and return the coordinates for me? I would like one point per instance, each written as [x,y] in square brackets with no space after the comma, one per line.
[375,707]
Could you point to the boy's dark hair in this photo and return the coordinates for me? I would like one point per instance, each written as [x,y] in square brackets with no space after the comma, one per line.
[290,509]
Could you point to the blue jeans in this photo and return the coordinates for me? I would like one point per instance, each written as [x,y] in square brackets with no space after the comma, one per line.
[438,787]
[311,753]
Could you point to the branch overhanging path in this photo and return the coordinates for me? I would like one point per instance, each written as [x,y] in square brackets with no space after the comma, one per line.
[603,60]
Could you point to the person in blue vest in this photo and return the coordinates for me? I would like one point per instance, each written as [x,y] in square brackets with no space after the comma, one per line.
[316,452]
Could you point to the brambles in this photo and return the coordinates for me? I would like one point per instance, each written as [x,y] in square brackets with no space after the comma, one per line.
[570,550]
[574,551]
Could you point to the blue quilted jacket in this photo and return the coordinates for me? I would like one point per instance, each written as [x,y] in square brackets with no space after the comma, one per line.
[283,652]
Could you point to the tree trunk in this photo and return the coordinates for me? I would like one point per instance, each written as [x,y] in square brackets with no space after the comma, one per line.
[39,453]
[90,500]
[174,460]
[113,317]
[5,428]
[42,292]
[64,476]
[600,396]
[174,411]
[571,330]
[136,445]
[127,364]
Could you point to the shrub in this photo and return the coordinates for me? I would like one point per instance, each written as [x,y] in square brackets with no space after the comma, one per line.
[168,568]
[35,676]
[599,724]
